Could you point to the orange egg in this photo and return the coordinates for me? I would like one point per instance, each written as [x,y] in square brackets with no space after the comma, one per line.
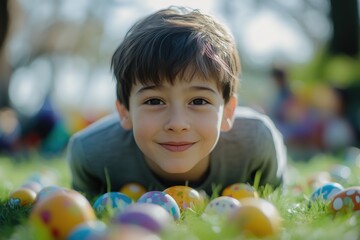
[256,217]
[240,191]
[186,197]
[133,190]
[58,214]
[346,200]
[22,197]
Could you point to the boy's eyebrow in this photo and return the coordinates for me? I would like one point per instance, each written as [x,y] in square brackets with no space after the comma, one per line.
[151,87]
[148,88]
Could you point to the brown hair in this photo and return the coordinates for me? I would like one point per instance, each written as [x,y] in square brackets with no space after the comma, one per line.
[170,43]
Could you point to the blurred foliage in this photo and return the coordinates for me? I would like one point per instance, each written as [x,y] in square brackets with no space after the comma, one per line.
[338,70]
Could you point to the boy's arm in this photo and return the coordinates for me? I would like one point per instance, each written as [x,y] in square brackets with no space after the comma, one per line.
[82,180]
[272,155]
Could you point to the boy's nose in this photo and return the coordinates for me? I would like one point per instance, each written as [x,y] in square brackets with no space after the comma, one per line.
[177,120]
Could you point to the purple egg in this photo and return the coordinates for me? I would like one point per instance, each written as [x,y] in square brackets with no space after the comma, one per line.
[146,215]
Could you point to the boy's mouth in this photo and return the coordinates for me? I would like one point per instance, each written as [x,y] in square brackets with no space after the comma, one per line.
[177,146]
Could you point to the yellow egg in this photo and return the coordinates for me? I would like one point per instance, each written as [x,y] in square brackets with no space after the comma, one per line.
[58,214]
[186,197]
[22,197]
[256,217]
[133,190]
[240,191]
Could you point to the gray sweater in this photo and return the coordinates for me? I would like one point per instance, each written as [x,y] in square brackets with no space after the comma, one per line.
[105,157]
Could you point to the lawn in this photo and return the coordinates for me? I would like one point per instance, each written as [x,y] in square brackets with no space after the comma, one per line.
[299,221]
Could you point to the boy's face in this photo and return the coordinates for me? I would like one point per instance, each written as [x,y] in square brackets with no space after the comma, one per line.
[177,126]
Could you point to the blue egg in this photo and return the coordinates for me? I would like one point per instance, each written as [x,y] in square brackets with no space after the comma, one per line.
[164,200]
[95,229]
[326,192]
[111,200]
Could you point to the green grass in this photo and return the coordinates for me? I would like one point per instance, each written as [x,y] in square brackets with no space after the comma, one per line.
[299,220]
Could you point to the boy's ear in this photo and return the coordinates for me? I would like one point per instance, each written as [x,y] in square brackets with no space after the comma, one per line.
[229,114]
[124,116]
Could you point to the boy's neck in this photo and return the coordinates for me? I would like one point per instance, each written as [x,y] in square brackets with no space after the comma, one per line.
[194,177]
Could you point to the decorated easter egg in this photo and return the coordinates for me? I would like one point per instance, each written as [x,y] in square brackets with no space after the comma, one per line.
[146,215]
[58,214]
[340,172]
[222,206]
[346,200]
[88,230]
[326,192]
[111,201]
[133,190]
[240,191]
[162,199]
[186,197]
[47,191]
[130,232]
[256,217]
[21,197]
[318,179]
[35,186]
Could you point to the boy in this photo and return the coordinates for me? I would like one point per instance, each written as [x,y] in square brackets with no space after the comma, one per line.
[178,122]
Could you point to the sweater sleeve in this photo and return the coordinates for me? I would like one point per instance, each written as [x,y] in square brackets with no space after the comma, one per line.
[82,180]
[271,155]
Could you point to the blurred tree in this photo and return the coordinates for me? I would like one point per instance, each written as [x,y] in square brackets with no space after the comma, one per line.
[345,41]
[345,19]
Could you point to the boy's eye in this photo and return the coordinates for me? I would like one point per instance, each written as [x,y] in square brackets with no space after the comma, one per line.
[154,101]
[199,101]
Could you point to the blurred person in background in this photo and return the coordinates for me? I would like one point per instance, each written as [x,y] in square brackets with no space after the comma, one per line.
[311,122]
[21,134]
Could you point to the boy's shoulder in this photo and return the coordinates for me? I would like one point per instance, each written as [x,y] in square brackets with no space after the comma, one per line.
[106,132]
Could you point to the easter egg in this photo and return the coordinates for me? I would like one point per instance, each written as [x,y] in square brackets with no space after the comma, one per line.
[186,197]
[130,232]
[110,201]
[47,191]
[340,172]
[88,230]
[318,179]
[222,206]
[162,199]
[240,191]
[346,200]
[21,197]
[256,217]
[326,192]
[58,214]
[146,215]
[133,190]
[35,186]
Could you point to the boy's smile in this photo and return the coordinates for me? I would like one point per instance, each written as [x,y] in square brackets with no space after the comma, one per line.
[176,126]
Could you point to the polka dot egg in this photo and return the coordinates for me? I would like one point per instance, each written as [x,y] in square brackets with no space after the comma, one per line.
[346,200]
[164,200]
[58,214]
[222,206]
